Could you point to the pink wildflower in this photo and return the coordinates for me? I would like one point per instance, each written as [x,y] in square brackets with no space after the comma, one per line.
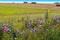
[5,29]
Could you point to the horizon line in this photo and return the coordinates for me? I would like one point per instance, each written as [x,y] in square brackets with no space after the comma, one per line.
[24,1]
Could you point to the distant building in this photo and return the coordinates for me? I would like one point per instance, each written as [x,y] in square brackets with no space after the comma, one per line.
[25,2]
[33,3]
[57,4]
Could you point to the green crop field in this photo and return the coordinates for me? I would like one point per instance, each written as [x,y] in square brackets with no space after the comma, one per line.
[19,10]
[6,9]
[13,10]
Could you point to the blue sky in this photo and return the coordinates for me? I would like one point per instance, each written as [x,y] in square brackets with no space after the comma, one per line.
[34,0]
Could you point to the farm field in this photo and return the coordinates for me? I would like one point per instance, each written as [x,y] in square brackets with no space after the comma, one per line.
[32,10]
[19,21]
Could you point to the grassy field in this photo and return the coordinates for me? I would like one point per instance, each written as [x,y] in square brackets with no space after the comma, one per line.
[16,13]
[7,10]
[17,10]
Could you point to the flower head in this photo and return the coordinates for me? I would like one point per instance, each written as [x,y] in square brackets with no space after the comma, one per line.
[5,29]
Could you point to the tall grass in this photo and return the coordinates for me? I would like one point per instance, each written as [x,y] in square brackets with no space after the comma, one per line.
[31,29]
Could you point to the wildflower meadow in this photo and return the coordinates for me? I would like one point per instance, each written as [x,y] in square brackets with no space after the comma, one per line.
[29,22]
[31,29]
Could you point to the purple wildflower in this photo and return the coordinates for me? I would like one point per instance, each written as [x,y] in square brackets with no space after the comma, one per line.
[5,29]
[21,32]
[32,30]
